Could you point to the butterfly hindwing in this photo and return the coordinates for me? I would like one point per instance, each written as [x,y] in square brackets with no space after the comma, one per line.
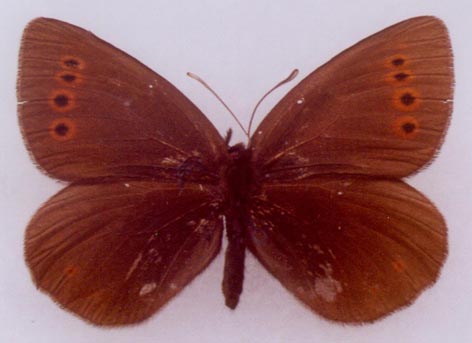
[115,252]
[88,110]
[350,248]
[380,107]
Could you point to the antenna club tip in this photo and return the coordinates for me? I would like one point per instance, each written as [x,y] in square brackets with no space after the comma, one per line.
[293,74]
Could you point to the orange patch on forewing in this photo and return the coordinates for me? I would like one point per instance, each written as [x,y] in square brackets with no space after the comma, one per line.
[61,100]
[406,127]
[398,266]
[399,77]
[62,129]
[374,290]
[406,99]
[69,78]
[71,270]
[397,61]
[72,62]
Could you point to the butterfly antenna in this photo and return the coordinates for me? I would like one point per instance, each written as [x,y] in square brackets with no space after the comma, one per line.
[199,79]
[289,78]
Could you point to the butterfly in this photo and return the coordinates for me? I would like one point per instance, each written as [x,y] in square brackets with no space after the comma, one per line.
[316,195]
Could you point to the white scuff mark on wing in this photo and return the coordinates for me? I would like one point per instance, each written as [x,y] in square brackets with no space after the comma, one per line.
[326,287]
[147,288]
[316,248]
[127,103]
[169,161]
[151,86]
[154,256]
[22,102]
[200,186]
[331,253]
[302,160]
[340,193]
[126,185]
[202,225]
[300,101]
[134,265]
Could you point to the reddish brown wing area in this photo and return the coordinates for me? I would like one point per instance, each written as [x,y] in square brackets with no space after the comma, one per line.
[352,249]
[379,108]
[114,253]
[88,110]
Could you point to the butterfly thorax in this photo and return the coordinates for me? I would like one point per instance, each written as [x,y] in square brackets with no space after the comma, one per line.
[239,176]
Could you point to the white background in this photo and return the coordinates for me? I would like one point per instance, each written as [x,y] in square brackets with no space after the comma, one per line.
[242,48]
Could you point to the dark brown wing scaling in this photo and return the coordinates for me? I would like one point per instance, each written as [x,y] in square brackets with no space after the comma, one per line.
[89,110]
[114,253]
[328,215]
[380,107]
[352,249]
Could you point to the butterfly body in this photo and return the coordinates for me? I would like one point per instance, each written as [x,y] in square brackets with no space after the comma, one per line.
[316,196]
[241,185]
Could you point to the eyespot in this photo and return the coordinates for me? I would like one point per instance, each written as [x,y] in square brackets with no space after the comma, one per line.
[399,77]
[62,100]
[69,78]
[406,126]
[398,265]
[72,62]
[397,61]
[62,129]
[406,99]
[71,270]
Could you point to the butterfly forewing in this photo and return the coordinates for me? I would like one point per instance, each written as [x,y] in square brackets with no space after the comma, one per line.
[88,109]
[115,252]
[352,249]
[379,108]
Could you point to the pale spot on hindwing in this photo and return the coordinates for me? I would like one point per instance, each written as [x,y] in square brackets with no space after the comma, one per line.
[326,287]
[147,288]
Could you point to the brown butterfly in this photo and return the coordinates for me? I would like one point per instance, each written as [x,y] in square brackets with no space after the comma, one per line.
[316,195]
